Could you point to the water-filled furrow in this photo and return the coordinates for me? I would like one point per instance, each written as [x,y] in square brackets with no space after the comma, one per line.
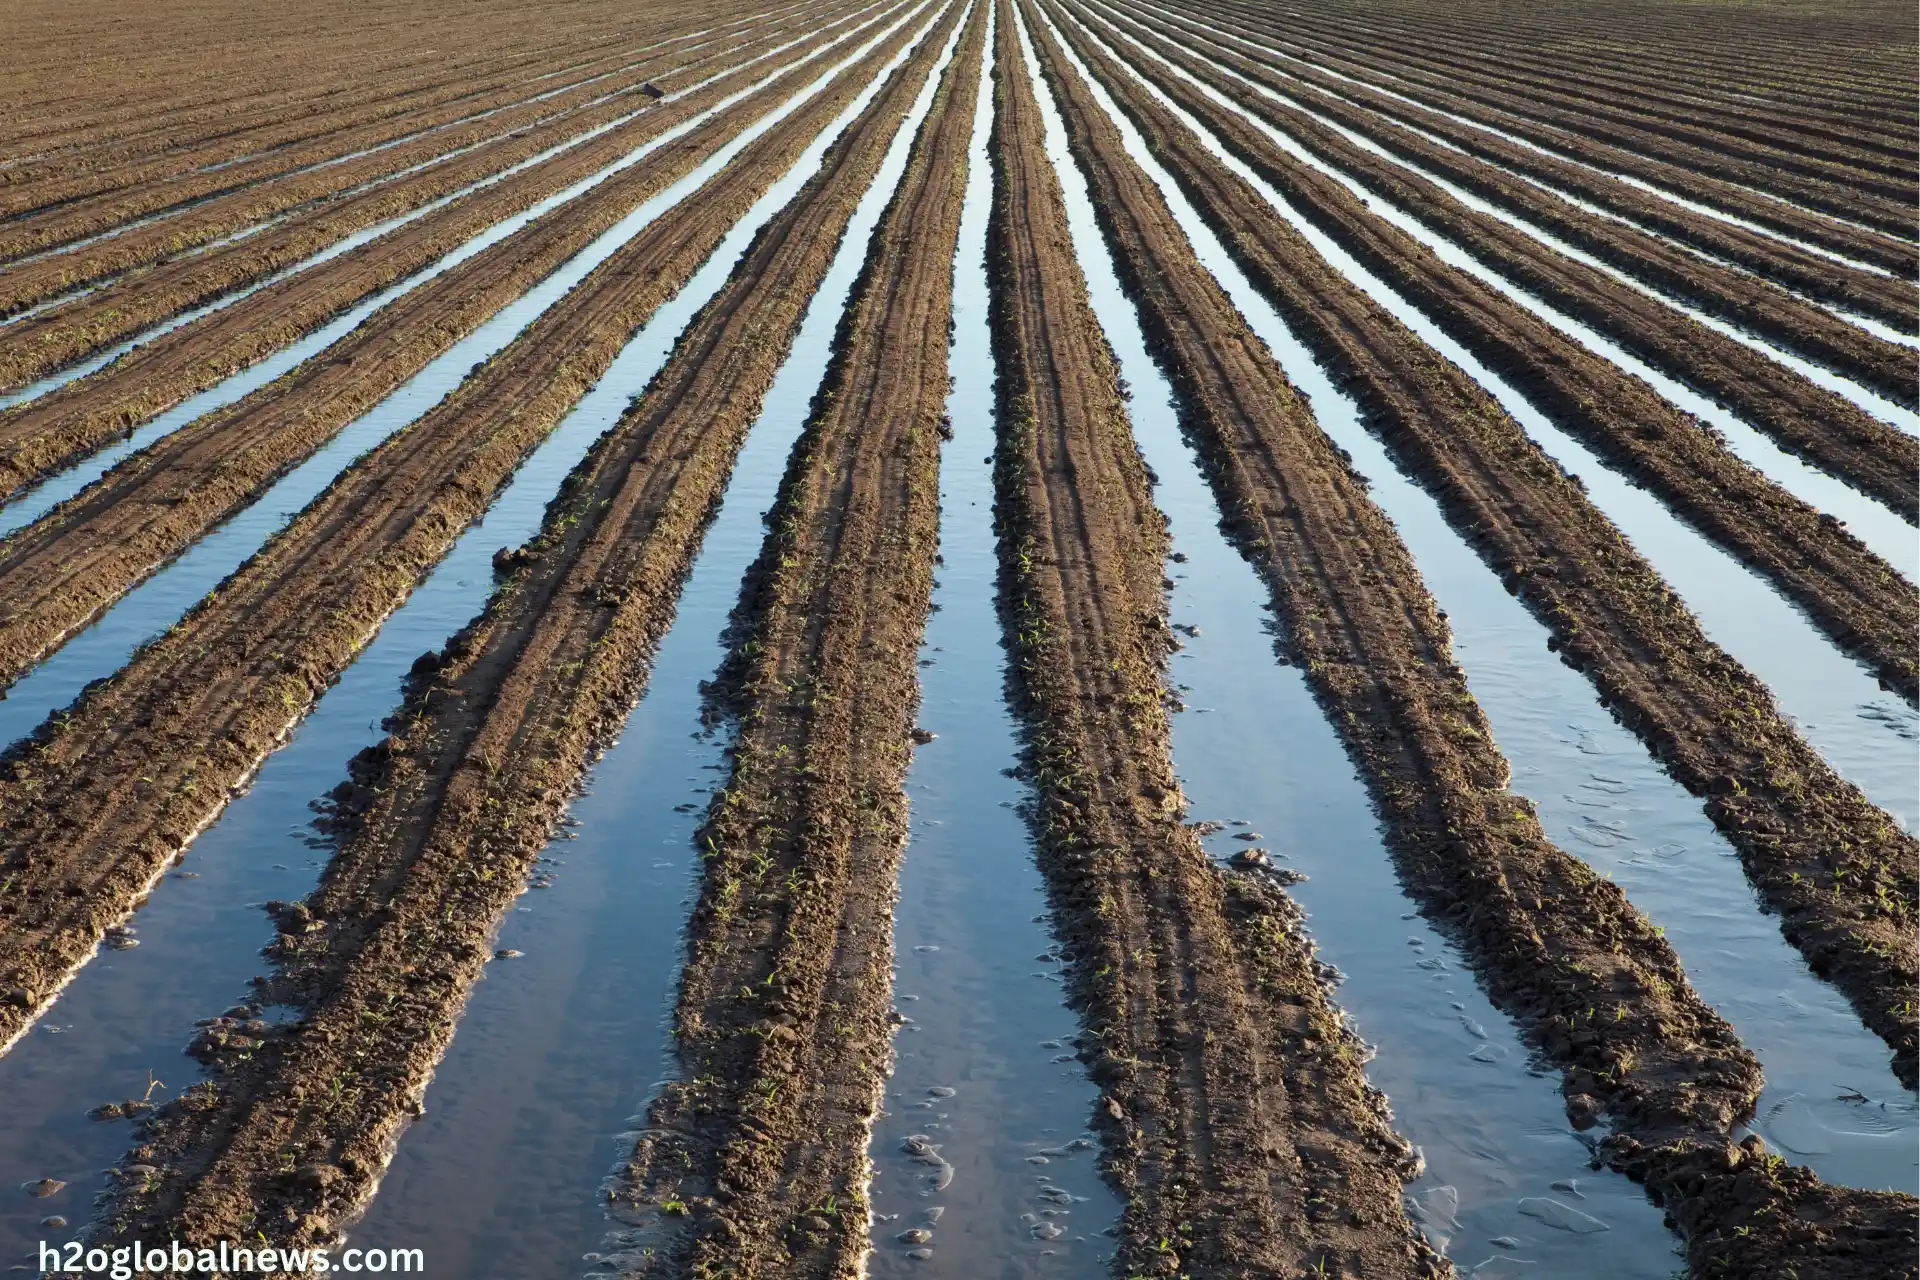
[287,358]
[185,206]
[984,1061]
[572,1057]
[1868,400]
[1744,187]
[1885,531]
[1275,770]
[131,1012]
[1877,328]
[1601,797]
[154,605]
[1861,729]
[1659,192]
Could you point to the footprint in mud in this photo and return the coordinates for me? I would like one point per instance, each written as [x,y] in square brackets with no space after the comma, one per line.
[1612,786]
[1601,835]
[1488,1053]
[1561,1217]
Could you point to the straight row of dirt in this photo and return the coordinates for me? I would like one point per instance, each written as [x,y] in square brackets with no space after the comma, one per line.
[1841,872]
[109,791]
[442,822]
[1590,981]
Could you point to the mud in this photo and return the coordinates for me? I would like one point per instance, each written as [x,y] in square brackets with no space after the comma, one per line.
[1206,1012]
[1859,244]
[102,799]
[53,430]
[219,250]
[1592,984]
[444,822]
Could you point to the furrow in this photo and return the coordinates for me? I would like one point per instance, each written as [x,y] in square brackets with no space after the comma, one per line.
[1839,870]
[762,1138]
[448,815]
[1239,1129]
[111,789]
[1557,946]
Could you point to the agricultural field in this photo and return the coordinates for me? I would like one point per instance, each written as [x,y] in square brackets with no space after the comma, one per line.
[1041,639]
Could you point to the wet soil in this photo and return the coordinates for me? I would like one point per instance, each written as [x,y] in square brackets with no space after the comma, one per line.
[106,795]
[754,1160]
[1554,944]
[141,514]
[446,818]
[243,246]
[1719,365]
[1236,1120]
[52,431]
[1815,185]
[1857,599]
[1797,824]
[1884,297]
[1808,226]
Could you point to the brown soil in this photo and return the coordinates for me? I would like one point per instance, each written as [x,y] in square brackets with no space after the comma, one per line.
[1808,226]
[109,790]
[1589,979]
[1881,297]
[77,560]
[1840,872]
[1819,425]
[57,429]
[1821,184]
[1843,157]
[139,83]
[442,823]
[1238,1124]
[754,1162]
[317,208]
[1856,598]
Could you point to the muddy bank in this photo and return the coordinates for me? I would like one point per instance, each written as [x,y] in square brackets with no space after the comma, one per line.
[1839,870]
[441,824]
[110,789]
[1807,226]
[86,553]
[1206,1013]
[1591,983]
[754,1161]
[52,431]
[164,278]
